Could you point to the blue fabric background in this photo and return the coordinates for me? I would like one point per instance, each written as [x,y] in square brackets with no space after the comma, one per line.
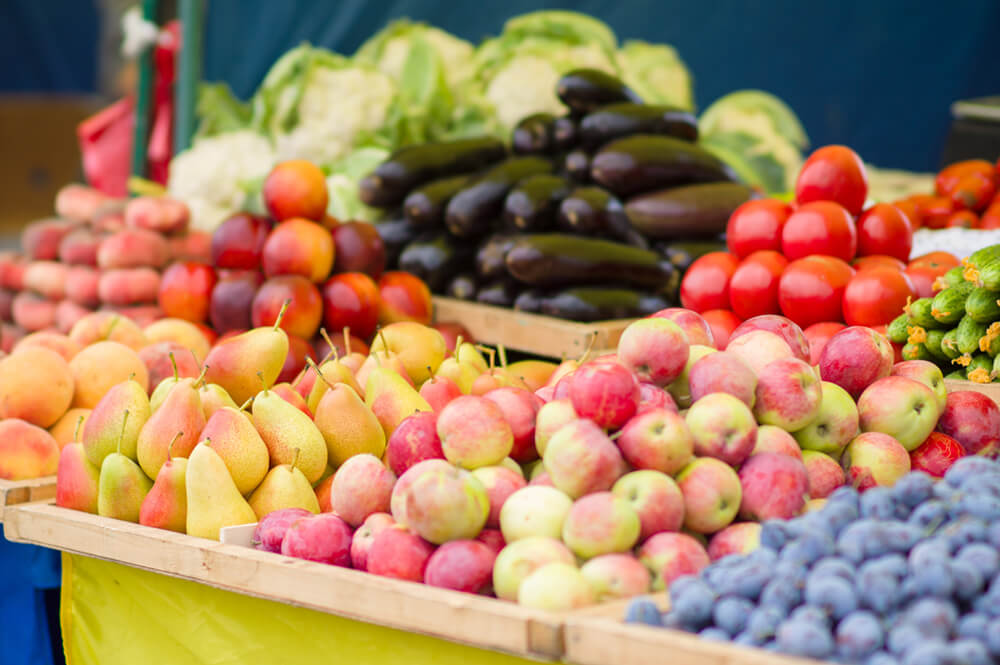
[879,76]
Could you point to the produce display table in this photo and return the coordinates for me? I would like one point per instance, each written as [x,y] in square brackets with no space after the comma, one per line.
[14,492]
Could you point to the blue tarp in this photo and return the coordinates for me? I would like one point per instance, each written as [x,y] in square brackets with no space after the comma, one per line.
[25,573]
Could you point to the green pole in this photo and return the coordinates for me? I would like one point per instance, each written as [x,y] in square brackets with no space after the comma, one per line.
[191,13]
[144,96]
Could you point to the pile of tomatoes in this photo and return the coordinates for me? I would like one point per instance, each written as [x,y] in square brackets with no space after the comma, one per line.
[823,262]
[967,195]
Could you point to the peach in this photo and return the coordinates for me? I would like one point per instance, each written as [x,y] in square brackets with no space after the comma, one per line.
[403,297]
[193,246]
[133,248]
[739,538]
[6,299]
[61,344]
[232,299]
[65,429]
[140,315]
[671,555]
[79,248]
[298,247]
[239,241]
[161,214]
[26,451]
[12,267]
[128,286]
[156,358]
[303,315]
[364,537]
[79,202]
[186,290]
[774,487]
[108,326]
[46,278]
[102,365]
[362,486]
[35,385]
[40,240]
[181,332]
[33,312]
[295,188]
[81,285]
[68,313]
[825,473]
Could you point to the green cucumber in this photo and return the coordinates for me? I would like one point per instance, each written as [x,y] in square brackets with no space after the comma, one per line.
[953,277]
[897,329]
[920,313]
[968,334]
[948,306]
[990,341]
[957,375]
[933,344]
[981,305]
[916,351]
[949,344]
[989,275]
[979,368]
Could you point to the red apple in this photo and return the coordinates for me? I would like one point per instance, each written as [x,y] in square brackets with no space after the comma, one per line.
[499,482]
[656,499]
[772,439]
[759,348]
[854,358]
[656,349]
[607,393]
[462,565]
[693,324]
[413,441]
[474,433]
[712,493]
[399,553]
[723,427]
[973,420]
[451,332]
[936,454]
[438,391]
[787,329]
[825,473]
[722,372]
[359,249]
[270,530]
[905,409]
[351,300]
[788,394]
[493,539]
[580,459]
[739,538]
[657,439]
[364,537]
[926,373]
[672,555]
[818,334]
[520,410]
[774,487]
[874,459]
[653,397]
[324,538]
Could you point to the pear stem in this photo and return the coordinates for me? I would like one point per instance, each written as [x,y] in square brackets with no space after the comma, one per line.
[385,344]
[207,442]
[319,373]
[111,328]
[503,355]
[200,381]
[260,375]
[347,340]
[301,375]
[590,347]
[295,460]
[195,356]
[490,352]
[329,342]
[170,446]
[173,363]
[458,346]
[244,405]
[122,435]
[76,430]
[281,313]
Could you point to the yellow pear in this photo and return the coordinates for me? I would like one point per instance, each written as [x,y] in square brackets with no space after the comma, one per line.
[237,363]
[283,487]
[466,352]
[391,398]
[420,348]
[284,428]
[214,397]
[461,374]
[237,442]
[348,426]
[103,430]
[334,372]
[212,498]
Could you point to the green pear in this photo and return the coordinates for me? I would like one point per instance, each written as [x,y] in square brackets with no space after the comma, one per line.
[283,487]
[462,374]
[469,354]
[102,433]
[348,426]
[164,387]
[212,498]
[284,429]
[392,399]
[122,486]
[237,443]
[177,423]
[235,363]
[165,507]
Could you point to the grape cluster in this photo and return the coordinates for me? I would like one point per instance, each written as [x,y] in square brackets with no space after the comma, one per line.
[907,575]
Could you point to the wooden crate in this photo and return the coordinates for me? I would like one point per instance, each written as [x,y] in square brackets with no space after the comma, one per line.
[530,333]
[477,621]
[991,390]
[599,636]
[14,492]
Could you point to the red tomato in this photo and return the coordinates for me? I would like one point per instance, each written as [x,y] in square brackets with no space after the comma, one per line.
[877,261]
[833,173]
[811,290]
[948,178]
[823,227]
[936,260]
[923,278]
[991,217]
[974,191]
[818,334]
[875,297]
[756,225]
[753,289]
[884,229]
[912,212]
[706,283]
[723,323]
[965,219]
[936,212]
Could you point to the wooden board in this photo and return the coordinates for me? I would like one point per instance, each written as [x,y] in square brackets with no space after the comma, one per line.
[529,333]
[459,617]
[991,390]
[14,492]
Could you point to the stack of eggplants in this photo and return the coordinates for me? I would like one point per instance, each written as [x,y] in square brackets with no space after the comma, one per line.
[589,216]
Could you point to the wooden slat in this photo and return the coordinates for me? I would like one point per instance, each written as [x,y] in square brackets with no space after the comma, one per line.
[465,618]
[991,390]
[529,333]
[14,492]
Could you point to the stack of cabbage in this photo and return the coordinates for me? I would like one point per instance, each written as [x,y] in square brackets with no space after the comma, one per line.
[413,83]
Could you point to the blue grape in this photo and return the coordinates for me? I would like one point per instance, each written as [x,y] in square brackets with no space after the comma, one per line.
[967,578]
[928,552]
[927,652]
[989,602]
[882,658]
[852,541]
[682,582]
[986,483]
[984,557]
[892,564]
[902,636]
[983,506]
[774,534]
[747,581]
[839,514]
[931,580]
[929,514]
[771,646]
[643,610]
[945,492]
[694,606]
[846,495]
[746,639]
[900,537]
[965,467]
[934,617]
[879,590]
[963,531]
[993,638]
[810,613]
[832,565]
[671,620]
[763,555]
[805,638]
[993,535]
[859,634]
[973,625]
[764,621]
[782,594]
[969,651]
[878,503]
[913,489]
[835,595]
[714,635]
[731,614]
[791,571]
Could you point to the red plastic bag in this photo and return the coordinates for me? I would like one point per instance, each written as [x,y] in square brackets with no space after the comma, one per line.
[106,137]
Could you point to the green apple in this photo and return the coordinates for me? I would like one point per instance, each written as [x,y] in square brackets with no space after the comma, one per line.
[555,586]
[600,523]
[903,408]
[835,424]
[519,559]
[537,510]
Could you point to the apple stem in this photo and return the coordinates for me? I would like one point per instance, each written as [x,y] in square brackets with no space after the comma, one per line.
[207,442]
[614,437]
[200,381]
[319,374]
[173,364]
[111,328]
[170,446]
[295,460]
[121,436]
[281,313]
[76,430]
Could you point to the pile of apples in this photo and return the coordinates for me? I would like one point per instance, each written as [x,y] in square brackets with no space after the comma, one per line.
[50,382]
[824,261]
[332,272]
[98,253]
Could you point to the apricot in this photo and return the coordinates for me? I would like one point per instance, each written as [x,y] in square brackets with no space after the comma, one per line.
[26,451]
[102,365]
[36,385]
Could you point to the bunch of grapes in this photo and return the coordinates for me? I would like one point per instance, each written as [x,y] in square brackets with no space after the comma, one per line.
[906,575]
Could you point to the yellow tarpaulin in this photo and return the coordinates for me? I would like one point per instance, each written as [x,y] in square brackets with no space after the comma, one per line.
[113,614]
